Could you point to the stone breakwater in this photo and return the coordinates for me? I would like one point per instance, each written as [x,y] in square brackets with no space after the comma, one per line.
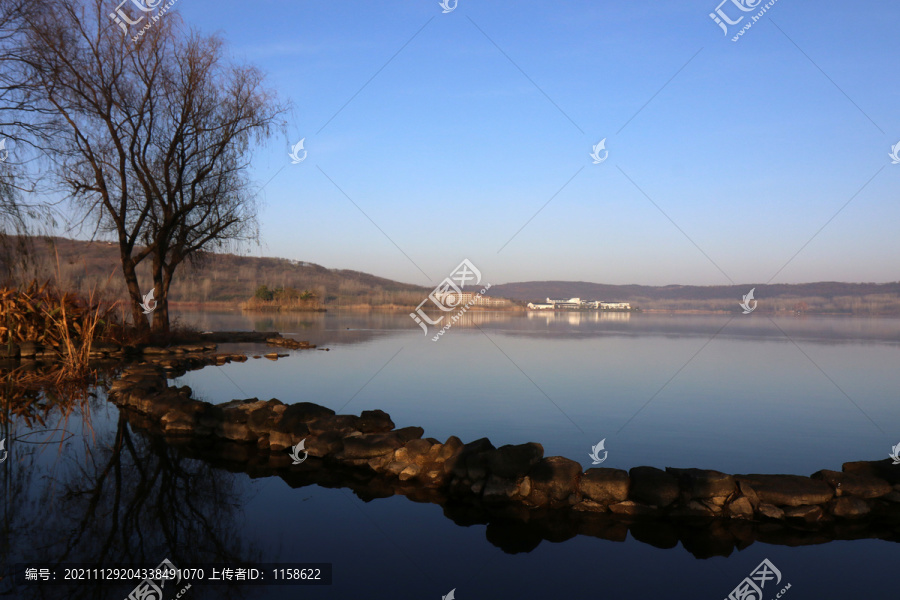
[513,480]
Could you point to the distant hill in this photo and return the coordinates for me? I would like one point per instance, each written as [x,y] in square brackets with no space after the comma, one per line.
[232,279]
[228,278]
[826,296]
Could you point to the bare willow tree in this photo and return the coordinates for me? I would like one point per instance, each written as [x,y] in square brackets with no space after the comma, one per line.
[154,136]
[20,121]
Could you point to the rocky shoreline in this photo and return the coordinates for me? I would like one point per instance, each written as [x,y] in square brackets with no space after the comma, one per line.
[515,482]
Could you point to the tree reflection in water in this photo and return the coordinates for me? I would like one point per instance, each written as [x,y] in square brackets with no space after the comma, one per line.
[106,495]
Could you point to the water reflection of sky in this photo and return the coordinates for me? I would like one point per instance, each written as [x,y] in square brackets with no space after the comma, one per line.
[749,399]
[747,402]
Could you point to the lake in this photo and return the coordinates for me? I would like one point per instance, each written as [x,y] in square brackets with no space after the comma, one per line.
[740,394]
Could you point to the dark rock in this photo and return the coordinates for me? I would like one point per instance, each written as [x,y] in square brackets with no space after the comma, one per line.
[849,507]
[555,477]
[748,492]
[883,469]
[325,444]
[408,434]
[512,462]
[808,513]
[770,511]
[605,486]
[279,441]
[788,490]
[369,446]
[343,424]
[418,449]
[632,509]
[854,484]
[375,421]
[498,489]
[154,350]
[703,483]
[303,412]
[471,460]
[652,486]
[739,508]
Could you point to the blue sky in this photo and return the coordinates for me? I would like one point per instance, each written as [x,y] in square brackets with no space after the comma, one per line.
[749,149]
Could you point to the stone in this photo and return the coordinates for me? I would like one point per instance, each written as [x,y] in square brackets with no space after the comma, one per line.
[409,433]
[325,444]
[555,476]
[340,423]
[369,446]
[418,449]
[154,350]
[409,472]
[652,486]
[237,432]
[849,507]
[632,509]
[854,484]
[740,508]
[280,441]
[748,492]
[497,489]
[451,448]
[703,483]
[883,469]
[808,513]
[788,490]
[770,511]
[470,461]
[513,462]
[375,421]
[590,506]
[604,486]
[302,412]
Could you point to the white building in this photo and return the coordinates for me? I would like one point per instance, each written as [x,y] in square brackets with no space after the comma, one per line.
[540,306]
[615,305]
[565,303]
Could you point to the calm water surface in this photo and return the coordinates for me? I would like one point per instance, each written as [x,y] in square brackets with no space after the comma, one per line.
[741,395]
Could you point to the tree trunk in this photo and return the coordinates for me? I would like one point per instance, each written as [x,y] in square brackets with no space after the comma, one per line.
[162,279]
[134,292]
